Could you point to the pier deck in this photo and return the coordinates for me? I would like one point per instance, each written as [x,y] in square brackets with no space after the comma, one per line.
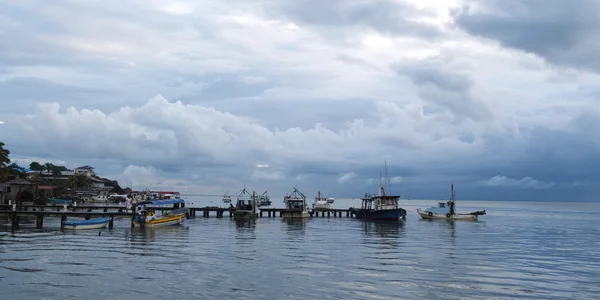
[87,211]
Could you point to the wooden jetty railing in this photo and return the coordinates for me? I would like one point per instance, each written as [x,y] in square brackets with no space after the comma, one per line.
[87,211]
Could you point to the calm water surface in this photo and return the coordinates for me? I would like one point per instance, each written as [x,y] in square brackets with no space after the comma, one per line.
[519,250]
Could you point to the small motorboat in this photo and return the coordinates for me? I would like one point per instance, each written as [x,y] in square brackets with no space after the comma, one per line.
[154,216]
[87,224]
[447,210]
[226,198]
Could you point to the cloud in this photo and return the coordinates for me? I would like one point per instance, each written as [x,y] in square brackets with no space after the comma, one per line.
[346,177]
[312,89]
[262,166]
[525,182]
[267,175]
[396,179]
[562,32]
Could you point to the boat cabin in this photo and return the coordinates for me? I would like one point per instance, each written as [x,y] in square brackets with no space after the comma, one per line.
[443,208]
[149,207]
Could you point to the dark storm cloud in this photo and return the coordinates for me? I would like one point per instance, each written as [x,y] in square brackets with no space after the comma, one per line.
[385,16]
[562,32]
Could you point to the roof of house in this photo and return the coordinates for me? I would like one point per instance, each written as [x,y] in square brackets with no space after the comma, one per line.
[85,167]
[19,181]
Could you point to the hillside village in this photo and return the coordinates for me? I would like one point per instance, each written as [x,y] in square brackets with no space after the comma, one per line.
[40,182]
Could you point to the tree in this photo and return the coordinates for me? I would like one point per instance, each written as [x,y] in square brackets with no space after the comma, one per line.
[16,169]
[35,166]
[4,161]
[79,181]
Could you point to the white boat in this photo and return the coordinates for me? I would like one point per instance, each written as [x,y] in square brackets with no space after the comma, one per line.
[87,224]
[447,210]
[321,203]
[295,206]
[99,199]
[330,200]
[226,198]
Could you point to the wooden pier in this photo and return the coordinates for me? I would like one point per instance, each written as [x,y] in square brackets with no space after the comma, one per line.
[14,212]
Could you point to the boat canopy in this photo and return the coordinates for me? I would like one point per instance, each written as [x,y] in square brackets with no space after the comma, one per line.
[162,202]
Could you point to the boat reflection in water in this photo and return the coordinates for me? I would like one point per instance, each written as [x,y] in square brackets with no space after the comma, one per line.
[146,237]
[242,224]
[382,228]
[295,226]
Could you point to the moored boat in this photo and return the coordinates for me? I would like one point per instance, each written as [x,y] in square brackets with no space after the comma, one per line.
[226,198]
[295,206]
[447,210]
[246,206]
[381,206]
[264,199]
[321,203]
[87,224]
[154,216]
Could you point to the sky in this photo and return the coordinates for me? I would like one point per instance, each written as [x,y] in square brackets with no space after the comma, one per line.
[498,97]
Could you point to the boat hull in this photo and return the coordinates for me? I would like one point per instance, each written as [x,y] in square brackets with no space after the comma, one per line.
[87,224]
[162,221]
[244,215]
[385,214]
[436,216]
[294,214]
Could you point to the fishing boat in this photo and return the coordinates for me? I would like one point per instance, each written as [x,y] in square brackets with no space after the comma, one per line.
[246,206]
[447,210]
[321,203]
[87,224]
[381,206]
[264,199]
[226,198]
[151,214]
[295,206]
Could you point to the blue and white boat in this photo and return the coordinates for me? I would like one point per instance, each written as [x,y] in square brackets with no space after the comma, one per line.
[447,210]
[87,224]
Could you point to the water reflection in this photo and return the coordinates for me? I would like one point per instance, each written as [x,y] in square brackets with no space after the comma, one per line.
[382,232]
[245,224]
[146,236]
[296,226]
[443,225]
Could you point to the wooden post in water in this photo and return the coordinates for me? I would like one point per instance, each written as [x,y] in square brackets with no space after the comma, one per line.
[15,221]
[112,222]
[39,222]
[63,219]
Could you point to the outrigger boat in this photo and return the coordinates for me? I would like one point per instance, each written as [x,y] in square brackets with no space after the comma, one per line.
[148,216]
[321,203]
[380,207]
[87,224]
[447,210]
[226,198]
[246,206]
[295,206]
